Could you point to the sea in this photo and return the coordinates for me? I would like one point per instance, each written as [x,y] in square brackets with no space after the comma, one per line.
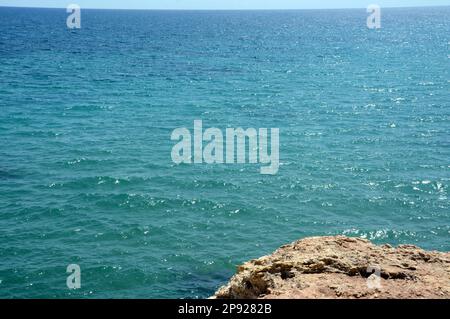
[86,117]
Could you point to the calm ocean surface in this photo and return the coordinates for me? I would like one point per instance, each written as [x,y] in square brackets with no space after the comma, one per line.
[86,175]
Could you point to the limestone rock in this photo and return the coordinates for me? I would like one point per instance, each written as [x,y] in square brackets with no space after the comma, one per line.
[342,267]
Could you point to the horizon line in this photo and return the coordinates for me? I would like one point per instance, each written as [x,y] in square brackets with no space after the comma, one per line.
[223,9]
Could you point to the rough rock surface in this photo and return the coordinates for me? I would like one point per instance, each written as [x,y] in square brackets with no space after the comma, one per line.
[342,267]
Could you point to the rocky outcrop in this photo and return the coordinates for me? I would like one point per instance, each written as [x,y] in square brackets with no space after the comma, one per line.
[342,267]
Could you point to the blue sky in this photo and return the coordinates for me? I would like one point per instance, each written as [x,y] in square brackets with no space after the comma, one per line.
[222,4]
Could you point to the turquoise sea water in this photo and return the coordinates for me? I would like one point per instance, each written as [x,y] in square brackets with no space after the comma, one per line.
[86,115]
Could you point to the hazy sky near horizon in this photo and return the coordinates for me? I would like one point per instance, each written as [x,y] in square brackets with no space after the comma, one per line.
[222,4]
